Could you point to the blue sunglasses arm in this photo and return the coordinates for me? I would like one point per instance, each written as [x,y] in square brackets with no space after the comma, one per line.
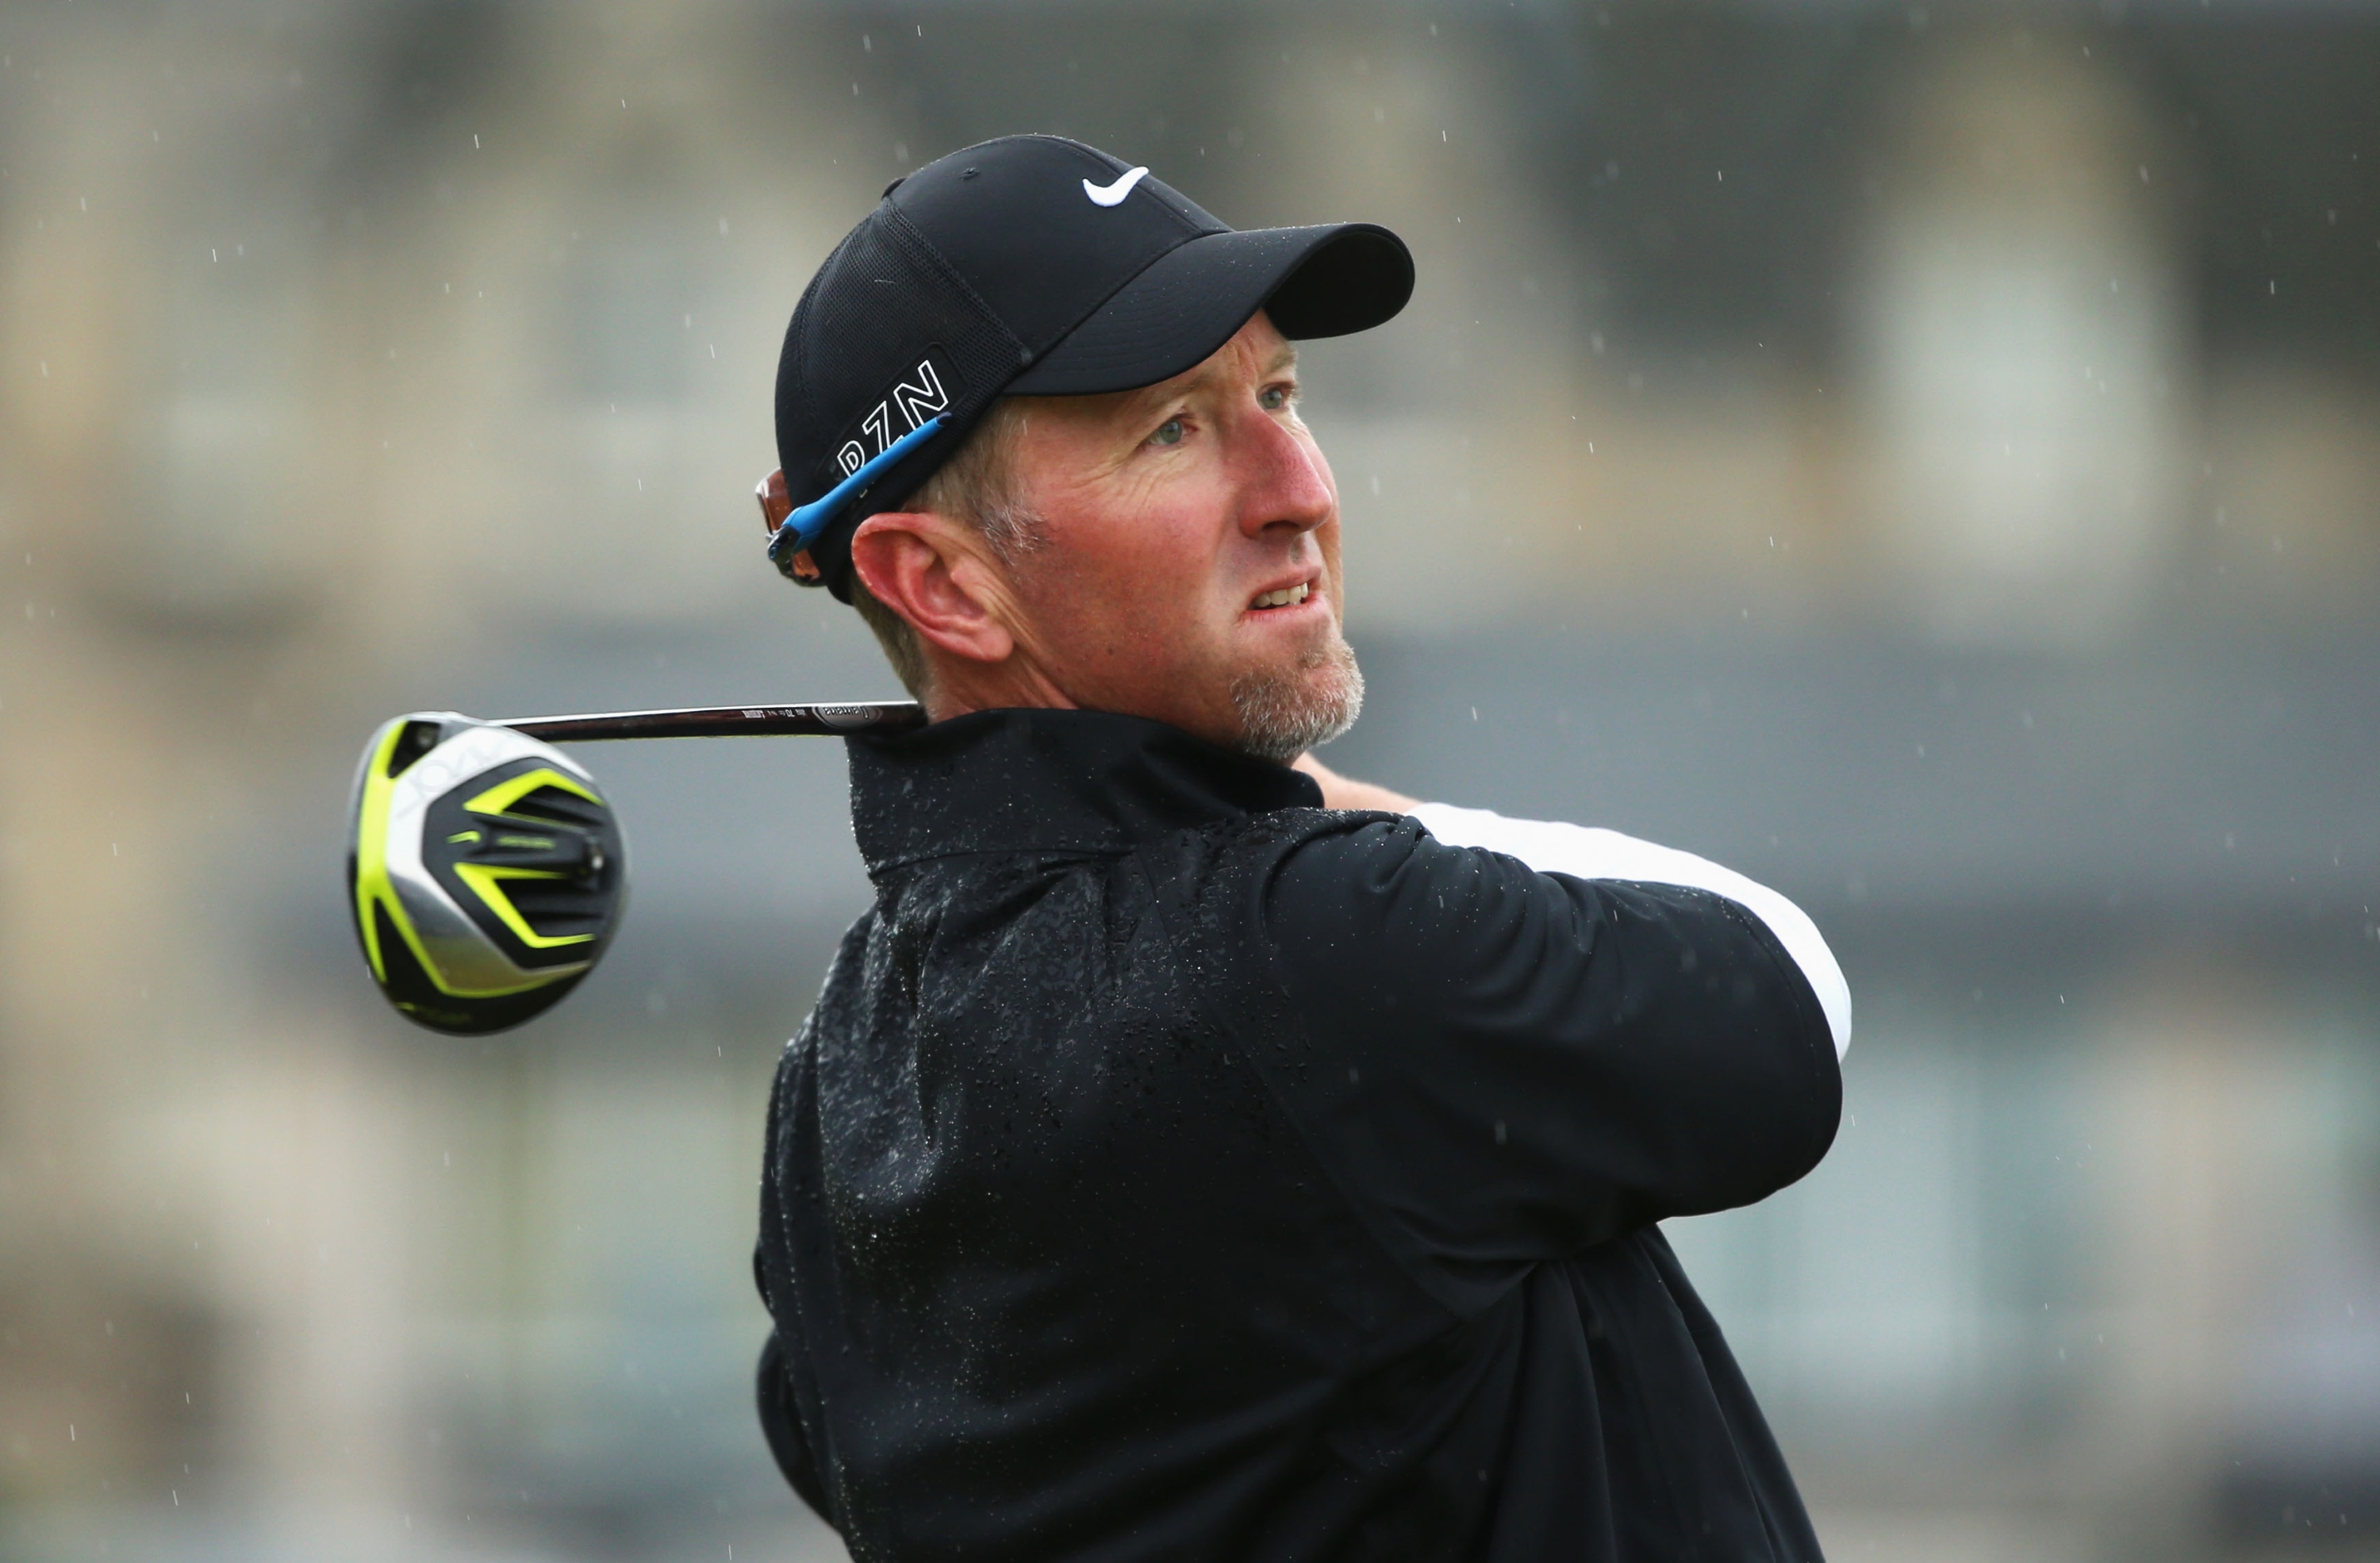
[802,528]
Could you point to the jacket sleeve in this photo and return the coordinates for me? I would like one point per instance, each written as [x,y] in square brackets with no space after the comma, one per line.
[1551,847]
[781,1424]
[782,1375]
[1501,1066]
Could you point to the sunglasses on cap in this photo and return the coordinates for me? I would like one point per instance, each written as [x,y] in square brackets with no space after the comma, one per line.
[791,531]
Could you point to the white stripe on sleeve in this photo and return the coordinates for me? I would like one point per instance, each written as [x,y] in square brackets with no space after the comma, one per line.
[1551,847]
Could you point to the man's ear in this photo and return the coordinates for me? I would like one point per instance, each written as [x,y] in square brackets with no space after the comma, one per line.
[934,573]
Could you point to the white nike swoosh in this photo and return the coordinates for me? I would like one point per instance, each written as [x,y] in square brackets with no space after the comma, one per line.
[1112,195]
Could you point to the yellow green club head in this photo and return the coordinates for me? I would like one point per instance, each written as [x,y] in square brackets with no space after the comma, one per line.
[485,874]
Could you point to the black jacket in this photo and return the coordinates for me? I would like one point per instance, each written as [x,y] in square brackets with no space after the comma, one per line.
[1172,1168]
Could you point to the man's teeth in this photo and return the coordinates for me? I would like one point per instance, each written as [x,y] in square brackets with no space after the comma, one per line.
[1284,597]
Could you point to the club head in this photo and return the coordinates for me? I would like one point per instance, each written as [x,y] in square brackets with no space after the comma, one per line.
[485,872]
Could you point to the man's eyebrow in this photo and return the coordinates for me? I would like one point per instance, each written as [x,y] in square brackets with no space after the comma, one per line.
[1168,390]
[1283,357]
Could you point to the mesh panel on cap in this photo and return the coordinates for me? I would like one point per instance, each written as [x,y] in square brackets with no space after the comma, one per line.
[879,301]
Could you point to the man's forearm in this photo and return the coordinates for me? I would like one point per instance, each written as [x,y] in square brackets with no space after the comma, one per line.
[1343,791]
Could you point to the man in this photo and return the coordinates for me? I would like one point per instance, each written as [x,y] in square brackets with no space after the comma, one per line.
[1191,1155]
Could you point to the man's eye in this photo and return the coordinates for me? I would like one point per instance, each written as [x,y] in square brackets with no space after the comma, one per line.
[1168,433]
[1272,398]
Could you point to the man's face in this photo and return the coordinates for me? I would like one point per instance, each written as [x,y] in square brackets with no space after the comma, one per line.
[1187,562]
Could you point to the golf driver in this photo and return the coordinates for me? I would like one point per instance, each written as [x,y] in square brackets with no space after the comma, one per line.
[486,871]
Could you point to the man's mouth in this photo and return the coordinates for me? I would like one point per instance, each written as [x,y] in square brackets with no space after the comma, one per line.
[1284,597]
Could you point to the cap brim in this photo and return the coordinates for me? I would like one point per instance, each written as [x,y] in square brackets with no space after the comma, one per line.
[1324,281]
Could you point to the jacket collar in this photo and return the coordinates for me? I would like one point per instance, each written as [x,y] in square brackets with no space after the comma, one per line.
[1050,781]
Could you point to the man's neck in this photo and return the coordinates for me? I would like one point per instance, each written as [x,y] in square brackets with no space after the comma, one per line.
[954,691]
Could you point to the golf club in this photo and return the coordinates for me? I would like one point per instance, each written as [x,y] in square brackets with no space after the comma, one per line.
[486,871]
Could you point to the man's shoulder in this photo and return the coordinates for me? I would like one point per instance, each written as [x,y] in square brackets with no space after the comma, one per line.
[1276,829]
[1239,893]
[1222,854]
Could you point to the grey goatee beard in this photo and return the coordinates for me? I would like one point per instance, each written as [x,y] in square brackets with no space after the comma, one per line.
[1283,714]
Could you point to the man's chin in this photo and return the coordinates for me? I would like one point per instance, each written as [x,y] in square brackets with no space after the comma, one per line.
[1284,711]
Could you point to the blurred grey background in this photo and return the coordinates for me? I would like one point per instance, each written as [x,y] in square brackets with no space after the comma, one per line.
[1926,455]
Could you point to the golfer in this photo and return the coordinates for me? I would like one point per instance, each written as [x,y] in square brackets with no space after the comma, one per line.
[1195,1154]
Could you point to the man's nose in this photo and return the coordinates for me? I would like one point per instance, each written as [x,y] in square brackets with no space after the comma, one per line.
[1284,482]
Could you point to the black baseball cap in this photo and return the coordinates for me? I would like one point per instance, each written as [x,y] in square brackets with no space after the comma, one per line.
[1030,265]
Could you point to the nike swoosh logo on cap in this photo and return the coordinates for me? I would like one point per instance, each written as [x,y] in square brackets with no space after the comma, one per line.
[1112,195]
